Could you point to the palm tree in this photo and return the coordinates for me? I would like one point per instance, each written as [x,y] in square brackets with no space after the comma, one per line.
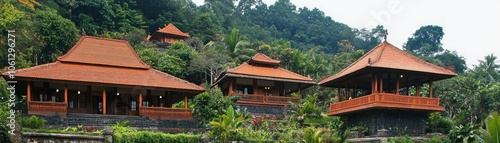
[489,67]
[492,132]
[232,40]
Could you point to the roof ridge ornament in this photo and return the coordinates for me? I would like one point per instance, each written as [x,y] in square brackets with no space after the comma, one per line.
[260,49]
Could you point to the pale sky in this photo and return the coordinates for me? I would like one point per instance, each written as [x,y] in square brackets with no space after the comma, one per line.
[469,26]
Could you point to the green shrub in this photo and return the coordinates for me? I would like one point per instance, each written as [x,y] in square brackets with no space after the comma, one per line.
[438,124]
[32,122]
[405,139]
[153,137]
[464,133]
[438,139]
[210,105]
[180,104]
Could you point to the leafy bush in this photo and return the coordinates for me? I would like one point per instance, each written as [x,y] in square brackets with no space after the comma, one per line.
[125,134]
[180,104]
[463,133]
[438,124]
[313,135]
[32,122]
[209,105]
[153,137]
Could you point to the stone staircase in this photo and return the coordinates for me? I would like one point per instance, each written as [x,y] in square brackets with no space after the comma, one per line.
[101,121]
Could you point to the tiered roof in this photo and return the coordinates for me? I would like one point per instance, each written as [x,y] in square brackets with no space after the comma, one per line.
[172,30]
[105,61]
[387,56]
[261,66]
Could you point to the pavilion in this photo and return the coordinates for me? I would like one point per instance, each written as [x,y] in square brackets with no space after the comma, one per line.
[103,76]
[261,82]
[382,91]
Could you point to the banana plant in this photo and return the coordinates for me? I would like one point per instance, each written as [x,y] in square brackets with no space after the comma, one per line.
[227,127]
[492,132]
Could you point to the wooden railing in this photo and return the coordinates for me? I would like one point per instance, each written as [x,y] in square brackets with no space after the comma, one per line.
[390,100]
[47,108]
[267,99]
[166,113]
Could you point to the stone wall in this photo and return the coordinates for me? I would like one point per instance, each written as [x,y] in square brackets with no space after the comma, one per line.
[177,124]
[63,138]
[381,122]
[268,113]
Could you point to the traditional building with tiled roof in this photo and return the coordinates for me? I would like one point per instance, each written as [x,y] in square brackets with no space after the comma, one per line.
[103,76]
[382,91]
[167,34]
[261,82]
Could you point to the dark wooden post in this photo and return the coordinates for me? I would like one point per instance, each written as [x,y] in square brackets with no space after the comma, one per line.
[338,94]
[230,92]
[381,84]
[430,89]
[298,93]
[397,86]
[417,88]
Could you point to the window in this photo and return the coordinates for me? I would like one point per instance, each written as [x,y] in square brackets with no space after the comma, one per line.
[134,105]
[242,89]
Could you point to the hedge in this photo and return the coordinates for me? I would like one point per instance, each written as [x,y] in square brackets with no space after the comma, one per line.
[153,137]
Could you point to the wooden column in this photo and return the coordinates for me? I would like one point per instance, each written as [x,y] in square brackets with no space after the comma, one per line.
[397,86]
[417,88]
[254,85]
[66,94]
[338,94]
[185,102]
[28,94]
[230,88]
[407,87]
[140,99]
[430,89]
[376,84]
[104,101]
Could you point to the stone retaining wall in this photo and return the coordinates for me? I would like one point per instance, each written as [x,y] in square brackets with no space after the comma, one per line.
[63,138]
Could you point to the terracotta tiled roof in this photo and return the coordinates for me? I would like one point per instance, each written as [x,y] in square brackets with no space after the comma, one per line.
[171,29]
[120,66]
[265,72]
[263,59]
[385,55]
[103,51]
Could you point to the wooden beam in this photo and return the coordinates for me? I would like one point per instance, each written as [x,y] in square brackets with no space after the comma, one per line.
[185,101]
[104,101]
[28,98]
